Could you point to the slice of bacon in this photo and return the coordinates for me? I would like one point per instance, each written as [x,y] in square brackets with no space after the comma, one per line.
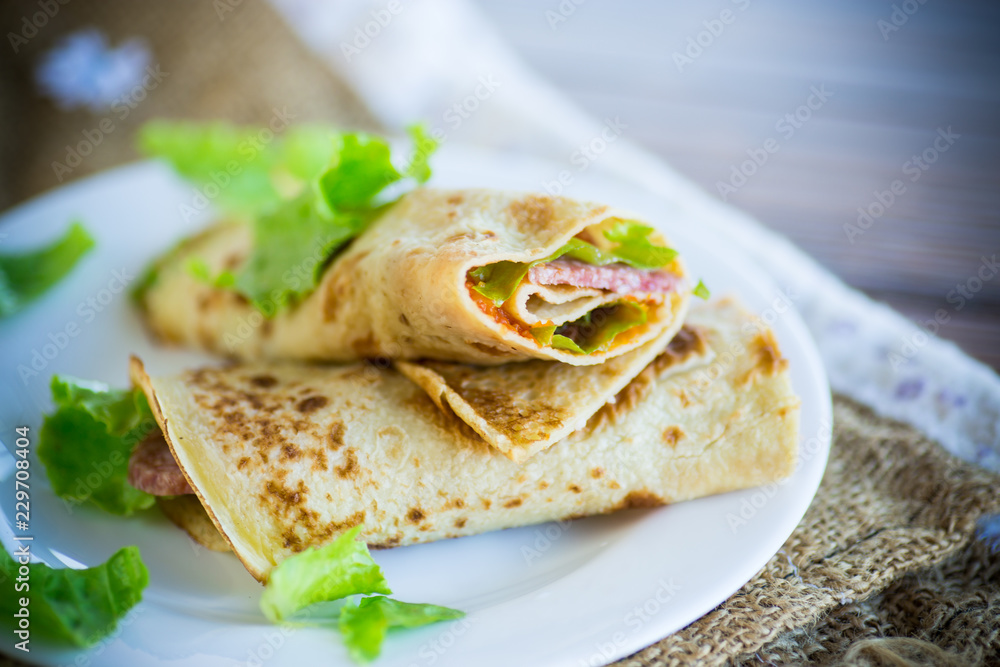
[618,278]
[153,469]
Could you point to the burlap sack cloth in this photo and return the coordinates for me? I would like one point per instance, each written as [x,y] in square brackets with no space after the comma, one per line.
[885,568]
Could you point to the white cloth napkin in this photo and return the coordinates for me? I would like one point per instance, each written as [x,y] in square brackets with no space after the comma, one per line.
[416,59]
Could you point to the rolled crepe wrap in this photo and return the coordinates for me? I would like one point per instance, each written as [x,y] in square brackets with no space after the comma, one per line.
[284,457]
[522,409]
[403,288]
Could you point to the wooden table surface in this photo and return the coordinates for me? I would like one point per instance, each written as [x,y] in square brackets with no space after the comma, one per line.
[870,89]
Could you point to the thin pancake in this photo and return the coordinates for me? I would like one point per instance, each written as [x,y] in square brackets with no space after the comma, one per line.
[284,457]
[402,289]
[522,409]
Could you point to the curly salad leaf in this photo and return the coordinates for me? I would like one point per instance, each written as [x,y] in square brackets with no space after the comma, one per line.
[78,607]
[596,330]
[86,442]
[305,194]
[26,276]
[302,588]
[498,282]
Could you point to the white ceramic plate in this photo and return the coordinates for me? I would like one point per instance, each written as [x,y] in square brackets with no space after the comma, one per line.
[580,593]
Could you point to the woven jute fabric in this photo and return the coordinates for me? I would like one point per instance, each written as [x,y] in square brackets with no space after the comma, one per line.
[884,568]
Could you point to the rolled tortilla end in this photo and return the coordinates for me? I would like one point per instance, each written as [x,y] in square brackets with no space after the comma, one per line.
[474,276]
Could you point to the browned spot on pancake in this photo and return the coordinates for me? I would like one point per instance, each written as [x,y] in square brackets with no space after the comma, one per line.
[415,515]
[455,199]
[204,301]
[263,381]
[640,500]
[233,261]
[614,485]
[446,419]
[402,319]
[460,522]
[505,413]
[457,503]
[350,467]
[574,488]
[689,341]
[290,452]
[542,485]
[532,214]
[319,459]
[488,349]
[513,502]
[487,503]
[597,473]
[291,541]
[671,435]
[336,436]
[312,403]
[286,496]
[766,354]
[236,423]
[242,463]
[366,347]
[388,543]
[416,462]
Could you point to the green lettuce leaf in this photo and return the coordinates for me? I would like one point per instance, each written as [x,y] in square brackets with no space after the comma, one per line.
[332,572]
[26,276]
[544,334]
[561,342]
[292,244]
[306,194]
[624,316]
[634,247]
[424,146]
[362,167]
[86,442]
[78,607]
[701,291]
[365,624]
[498,281]
[234,159]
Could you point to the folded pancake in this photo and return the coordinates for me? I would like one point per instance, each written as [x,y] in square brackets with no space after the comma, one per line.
[285,456]
[522,409]
[475,276]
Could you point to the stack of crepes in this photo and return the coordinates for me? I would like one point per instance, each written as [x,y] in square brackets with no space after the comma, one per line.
[473,360]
